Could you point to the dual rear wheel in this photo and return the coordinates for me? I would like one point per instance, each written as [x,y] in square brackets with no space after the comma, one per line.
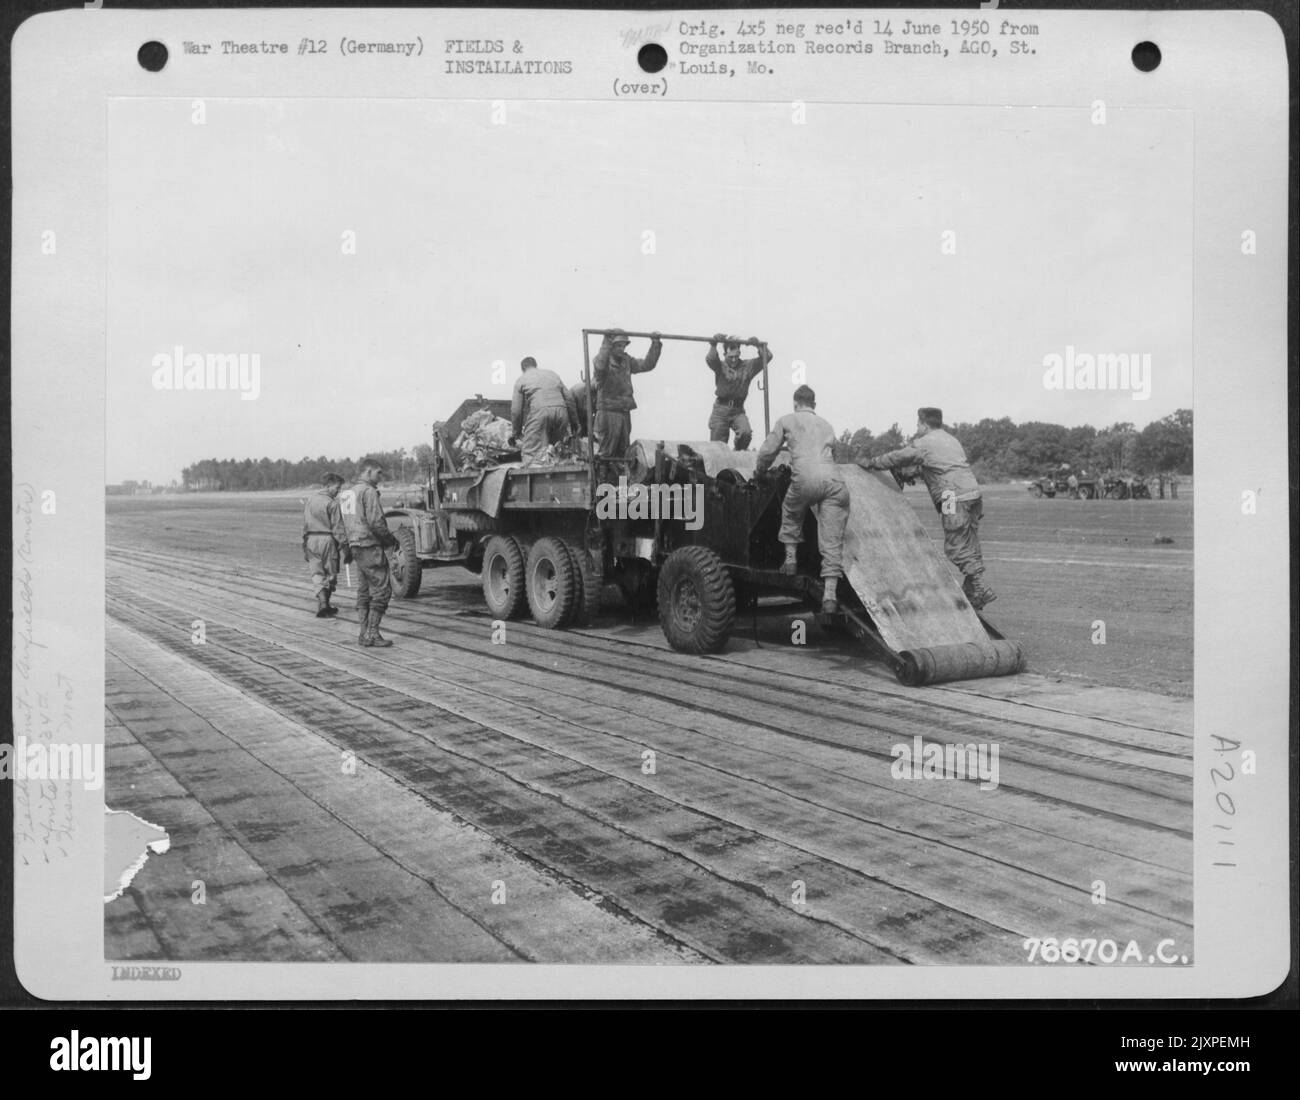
[554,579]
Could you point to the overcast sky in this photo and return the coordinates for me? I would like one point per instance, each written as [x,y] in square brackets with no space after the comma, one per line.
[478,242]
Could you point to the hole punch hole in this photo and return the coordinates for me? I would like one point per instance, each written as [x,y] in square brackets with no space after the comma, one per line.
[1146,56]
[152,56]
[651,57]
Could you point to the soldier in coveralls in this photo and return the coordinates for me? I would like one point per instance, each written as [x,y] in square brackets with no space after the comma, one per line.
[815,481]
[955,493]
[542,410]
[324,541]
[611,374]
[733,376]
[369,536]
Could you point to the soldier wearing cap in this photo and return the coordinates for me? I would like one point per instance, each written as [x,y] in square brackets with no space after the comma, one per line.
[368,535]
[612,370]
[955,493]
[542,410]
[815,481]
[324,541]
[733,376]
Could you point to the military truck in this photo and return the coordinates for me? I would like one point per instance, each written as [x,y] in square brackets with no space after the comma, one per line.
[690,528]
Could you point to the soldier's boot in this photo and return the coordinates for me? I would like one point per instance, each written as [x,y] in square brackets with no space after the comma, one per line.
[979,594]
[791,564]
[330,609]
[372,630]
[363,621]
[830,600]
[322,601]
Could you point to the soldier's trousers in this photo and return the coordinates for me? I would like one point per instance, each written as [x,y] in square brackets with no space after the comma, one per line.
[829,496]
[727,418]
[961,536]
[543,427]
[373,589]
[612,433]
[323,561]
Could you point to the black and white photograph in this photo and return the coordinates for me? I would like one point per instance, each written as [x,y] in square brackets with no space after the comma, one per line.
[741,491]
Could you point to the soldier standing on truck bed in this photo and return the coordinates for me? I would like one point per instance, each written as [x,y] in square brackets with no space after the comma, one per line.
[955,493]
[810,441]
[612,371]
[324,541]
[368,535]
[542,410]
[733,376]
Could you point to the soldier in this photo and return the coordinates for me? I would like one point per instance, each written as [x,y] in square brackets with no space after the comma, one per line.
[810,440]
[324,541]
[612,371]
[368,535]
[733,376]
[542,410]
[955,493]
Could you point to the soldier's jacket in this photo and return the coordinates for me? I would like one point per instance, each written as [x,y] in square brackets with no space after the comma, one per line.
[808,438]
[363,516]
[733,382]
[612,375]
[943,465]
[536,389]
[323,516]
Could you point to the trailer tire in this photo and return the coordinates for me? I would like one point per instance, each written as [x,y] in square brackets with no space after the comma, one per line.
[588,584]
[551,581]
[697,601]
[1036,491]
[404,564]
[503,577]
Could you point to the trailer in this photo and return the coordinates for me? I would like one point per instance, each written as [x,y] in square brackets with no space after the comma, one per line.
[686,526]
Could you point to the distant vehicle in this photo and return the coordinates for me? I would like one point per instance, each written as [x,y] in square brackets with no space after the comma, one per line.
[1074,486]
[1122,485]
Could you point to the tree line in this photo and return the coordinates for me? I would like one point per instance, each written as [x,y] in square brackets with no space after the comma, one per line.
[1000,450]
[235,474]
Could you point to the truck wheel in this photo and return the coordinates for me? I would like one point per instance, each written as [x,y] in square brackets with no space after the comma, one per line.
[587,582]
[503,577]
[551,582]
[697,601]
[404,563]
[1035,490]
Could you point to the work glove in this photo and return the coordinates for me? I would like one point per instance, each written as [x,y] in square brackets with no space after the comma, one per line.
[719,337]
[867,463]
[345,553]
[655,338]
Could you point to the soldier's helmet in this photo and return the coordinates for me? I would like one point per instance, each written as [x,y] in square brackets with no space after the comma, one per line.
[618,336]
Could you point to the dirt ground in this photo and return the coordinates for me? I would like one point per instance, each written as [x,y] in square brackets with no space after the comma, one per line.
[449,799]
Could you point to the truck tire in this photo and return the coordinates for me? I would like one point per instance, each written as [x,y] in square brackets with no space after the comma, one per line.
[586,601]
[551,581]
[1035,491]
[503,577]
[404,564]
[697,601]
